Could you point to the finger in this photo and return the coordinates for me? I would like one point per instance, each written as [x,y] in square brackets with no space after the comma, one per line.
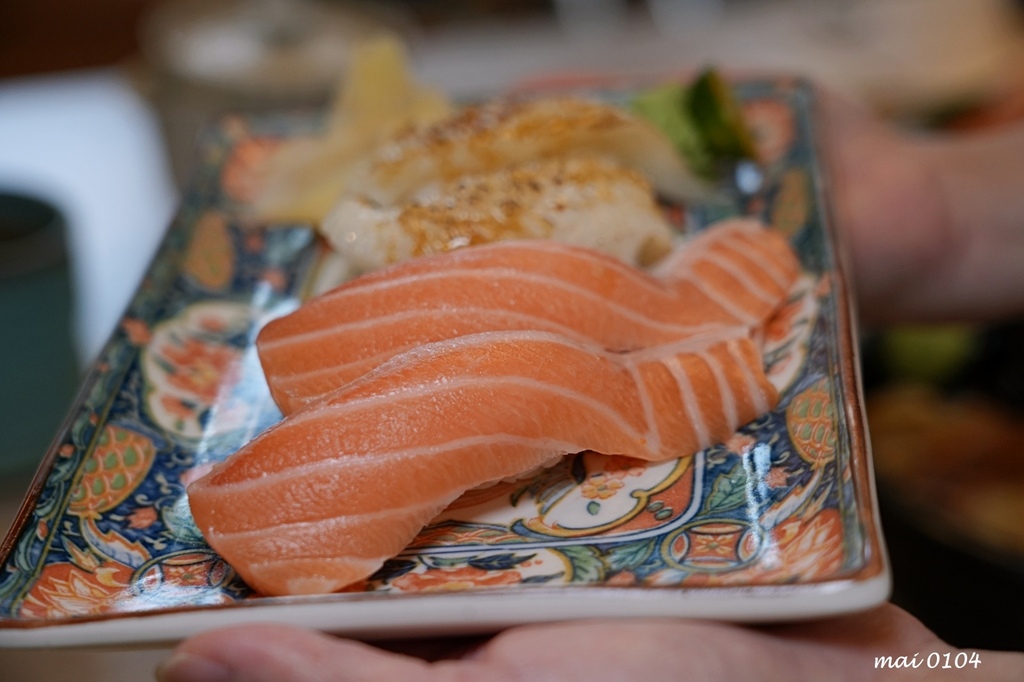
[596,650]
[884,627]
[558,652]
[696,651]
[277,653]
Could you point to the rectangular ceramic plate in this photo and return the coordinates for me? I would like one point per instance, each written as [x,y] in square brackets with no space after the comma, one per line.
[777,523]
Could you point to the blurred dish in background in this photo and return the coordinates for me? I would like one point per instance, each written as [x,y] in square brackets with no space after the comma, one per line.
[268,49]
[214,56]
[39,372]
[1003,106]
[437,12]
[946,411]
[956,461]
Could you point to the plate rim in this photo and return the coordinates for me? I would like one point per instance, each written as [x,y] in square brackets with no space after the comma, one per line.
[868,585]
[380,616]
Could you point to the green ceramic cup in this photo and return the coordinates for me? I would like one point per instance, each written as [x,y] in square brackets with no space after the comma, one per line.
[38,371]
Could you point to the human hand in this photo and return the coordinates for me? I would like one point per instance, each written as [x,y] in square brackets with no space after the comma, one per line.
[887,206]
[905,207]
[934,223]
[842,649]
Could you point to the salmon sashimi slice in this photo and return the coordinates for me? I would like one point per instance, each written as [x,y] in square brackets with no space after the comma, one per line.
[324,497]
[734,274]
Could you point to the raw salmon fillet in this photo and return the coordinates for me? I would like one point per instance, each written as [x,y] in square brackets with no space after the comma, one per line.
[320,500]
[733,274]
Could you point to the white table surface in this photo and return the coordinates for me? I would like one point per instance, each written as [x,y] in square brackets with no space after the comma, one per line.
[87,142]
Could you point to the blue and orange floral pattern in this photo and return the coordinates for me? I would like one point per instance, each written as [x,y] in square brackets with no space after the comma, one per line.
[785,501]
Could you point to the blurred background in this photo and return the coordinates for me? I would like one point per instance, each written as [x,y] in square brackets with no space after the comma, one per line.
[101,102]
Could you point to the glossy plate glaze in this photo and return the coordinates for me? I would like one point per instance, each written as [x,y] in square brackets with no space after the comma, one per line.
[777,523]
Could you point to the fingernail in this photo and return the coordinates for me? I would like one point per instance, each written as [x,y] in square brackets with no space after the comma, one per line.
[182,667]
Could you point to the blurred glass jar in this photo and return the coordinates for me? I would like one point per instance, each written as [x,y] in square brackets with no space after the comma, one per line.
[208,57]
[40,374]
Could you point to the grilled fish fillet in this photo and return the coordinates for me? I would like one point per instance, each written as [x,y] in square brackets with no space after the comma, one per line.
[588,201]
[506,132]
